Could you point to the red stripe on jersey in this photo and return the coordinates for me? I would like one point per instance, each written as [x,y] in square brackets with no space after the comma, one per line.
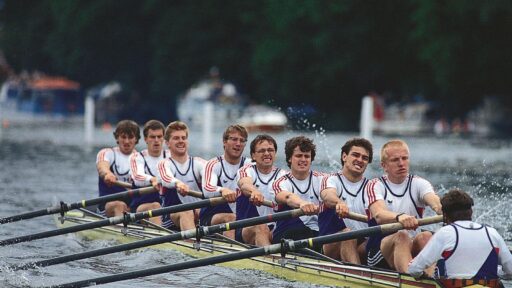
[275,185]
[371,192]
[135,174]
[243,170]
[208,175]
[163,172]
[323,185]
[446,254]
[101,155]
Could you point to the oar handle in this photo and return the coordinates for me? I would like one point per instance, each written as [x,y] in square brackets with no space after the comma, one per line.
[123,184]
[392,227]
[198,194]
[357,217]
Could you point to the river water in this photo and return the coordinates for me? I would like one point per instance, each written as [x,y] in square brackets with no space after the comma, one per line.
[41,162]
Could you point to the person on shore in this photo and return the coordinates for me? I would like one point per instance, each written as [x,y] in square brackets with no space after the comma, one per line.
[144,168]
[219,178]
[113,164]
[179,174]
[467,253]
[343,192]
[299,188]
[398,197]
[254,185]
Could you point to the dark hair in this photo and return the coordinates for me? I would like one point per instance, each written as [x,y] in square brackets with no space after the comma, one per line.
[304,144]
[359,142]
[128,127]
[235,128]
[153,125]
[456,205]
[175,126]
[260,138]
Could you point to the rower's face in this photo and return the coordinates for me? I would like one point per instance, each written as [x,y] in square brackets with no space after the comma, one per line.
[126,143]
[300,161]
[264,154]
[396,164]
[234,145]
[155,141]
[178,143]
[356,160]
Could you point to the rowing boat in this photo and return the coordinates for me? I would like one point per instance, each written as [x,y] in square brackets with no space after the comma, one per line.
[292,266]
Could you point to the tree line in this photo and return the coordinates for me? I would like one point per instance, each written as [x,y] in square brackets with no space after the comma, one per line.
[290,53]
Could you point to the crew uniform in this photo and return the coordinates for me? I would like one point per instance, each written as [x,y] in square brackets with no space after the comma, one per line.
[309,190]
[120,167]
[143,167]
[406,197]
[219,173]
[169,172]
[263,182]
[352,194]
[465,250]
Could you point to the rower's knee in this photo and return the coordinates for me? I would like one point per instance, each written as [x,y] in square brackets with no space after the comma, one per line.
[420,241]
[402,239]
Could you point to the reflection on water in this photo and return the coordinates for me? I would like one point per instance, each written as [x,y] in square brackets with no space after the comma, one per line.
[42,163]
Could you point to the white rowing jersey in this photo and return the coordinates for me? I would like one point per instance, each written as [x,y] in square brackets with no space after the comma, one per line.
[119,164]
[144,166]
[118,161]
[307,189]
[469,251]
[262,182]
[218,174]
[190,172]
[351,193]
[406,197]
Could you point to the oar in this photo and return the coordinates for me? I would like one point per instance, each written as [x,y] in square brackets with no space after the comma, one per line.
[63,207]
[351,215]
[187,234]
[287,246]
[125,219]
[124,184]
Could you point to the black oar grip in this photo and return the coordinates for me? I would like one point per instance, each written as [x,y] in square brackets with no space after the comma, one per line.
[393,227]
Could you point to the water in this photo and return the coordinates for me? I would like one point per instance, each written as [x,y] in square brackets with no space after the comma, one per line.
[40,163]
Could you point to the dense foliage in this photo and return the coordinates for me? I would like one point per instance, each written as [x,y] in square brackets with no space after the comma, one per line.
[325,54]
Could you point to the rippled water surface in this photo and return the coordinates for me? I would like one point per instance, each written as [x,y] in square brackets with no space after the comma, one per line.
[38,164]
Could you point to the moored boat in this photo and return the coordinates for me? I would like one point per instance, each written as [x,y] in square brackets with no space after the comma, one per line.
[294,267]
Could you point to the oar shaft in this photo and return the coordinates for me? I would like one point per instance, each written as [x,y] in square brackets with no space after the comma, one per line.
[23,216]
[80,204]
[129,218]
[112,197]
[187,234]
[370,231]
[198,194]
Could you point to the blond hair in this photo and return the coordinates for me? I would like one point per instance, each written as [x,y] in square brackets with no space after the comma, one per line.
[389,144]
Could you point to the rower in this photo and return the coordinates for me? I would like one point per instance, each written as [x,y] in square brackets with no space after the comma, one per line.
[219,178]
[143,167]
[343,192]
[398,197]
[254,185]
[113,164]
[468,252]
[299,188]
[179,174]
